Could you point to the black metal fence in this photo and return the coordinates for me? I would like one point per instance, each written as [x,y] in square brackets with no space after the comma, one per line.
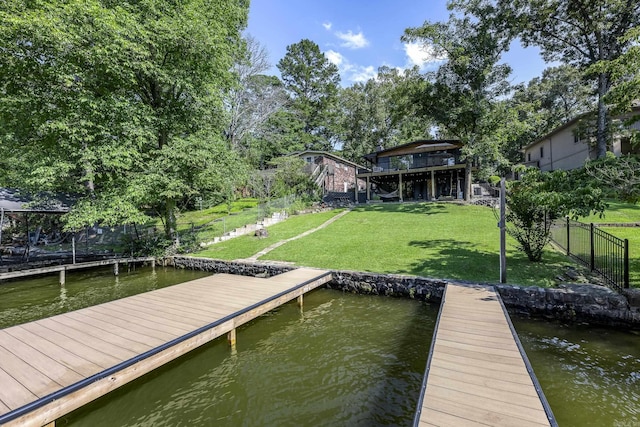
[602,252]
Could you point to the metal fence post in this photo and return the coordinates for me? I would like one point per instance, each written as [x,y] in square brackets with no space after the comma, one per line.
[626,263]
[593,249]
[568,236]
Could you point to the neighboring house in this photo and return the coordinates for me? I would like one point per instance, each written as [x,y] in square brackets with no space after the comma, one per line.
[568,147]
[419,170]
[332,173]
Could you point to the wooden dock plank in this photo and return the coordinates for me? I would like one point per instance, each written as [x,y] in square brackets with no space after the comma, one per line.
[22,371]
[42,362]
[61,349]
[476,373]
[12,393]
[94,350]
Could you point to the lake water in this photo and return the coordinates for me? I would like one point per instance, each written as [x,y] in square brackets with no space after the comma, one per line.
[346,360]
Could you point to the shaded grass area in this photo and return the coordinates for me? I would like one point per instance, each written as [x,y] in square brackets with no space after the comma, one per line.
[440,240]
[248,245]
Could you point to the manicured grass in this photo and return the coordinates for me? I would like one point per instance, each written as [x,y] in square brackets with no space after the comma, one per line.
[616,212]
[441,240]
[633,234]
[619,212]
[246,246]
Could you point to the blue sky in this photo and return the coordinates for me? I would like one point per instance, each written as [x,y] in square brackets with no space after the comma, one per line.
[361,35]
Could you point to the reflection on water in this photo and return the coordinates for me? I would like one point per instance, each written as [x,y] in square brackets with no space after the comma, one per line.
[348,360]
[344,360]
[590,376]
[36,298]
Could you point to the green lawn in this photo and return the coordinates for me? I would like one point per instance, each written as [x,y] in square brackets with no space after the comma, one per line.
[619,212]
[616,212]
[246,246]
[633,234]
[441,240]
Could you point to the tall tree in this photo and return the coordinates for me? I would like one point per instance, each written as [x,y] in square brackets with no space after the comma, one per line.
[466,87]
[313,83]
[625,74]
[546,102]
[577,32]
[381,112]
[123,108]
[255,97]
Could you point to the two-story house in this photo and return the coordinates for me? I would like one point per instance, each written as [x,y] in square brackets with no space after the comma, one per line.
[419,170]
[570,145]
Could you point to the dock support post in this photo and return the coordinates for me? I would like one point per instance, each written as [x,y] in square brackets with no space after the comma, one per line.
[62,277]
[153,263]
[231,338]
[300,301]
[115,269]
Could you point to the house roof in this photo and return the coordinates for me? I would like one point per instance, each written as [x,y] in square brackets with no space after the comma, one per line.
[14,200]
[415,147]
[326,154]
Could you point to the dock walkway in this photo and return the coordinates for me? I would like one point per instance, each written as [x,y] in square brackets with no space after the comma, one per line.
[53,366]
[477,373]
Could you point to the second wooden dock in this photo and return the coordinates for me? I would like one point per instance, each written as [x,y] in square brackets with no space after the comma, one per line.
[478,373]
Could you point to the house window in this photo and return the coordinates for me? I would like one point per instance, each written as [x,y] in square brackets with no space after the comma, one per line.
[309,159]
[528,157]
[541,152]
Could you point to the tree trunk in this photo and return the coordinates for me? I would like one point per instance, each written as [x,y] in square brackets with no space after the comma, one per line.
[601,133]
[467,179]
[170,223]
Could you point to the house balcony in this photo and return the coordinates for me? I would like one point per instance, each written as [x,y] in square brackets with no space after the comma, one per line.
[441,161]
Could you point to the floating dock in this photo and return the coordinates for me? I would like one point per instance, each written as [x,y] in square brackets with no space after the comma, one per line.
[53,366]
[477,373]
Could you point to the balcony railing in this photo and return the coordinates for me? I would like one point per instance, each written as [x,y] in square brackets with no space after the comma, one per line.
[439,160]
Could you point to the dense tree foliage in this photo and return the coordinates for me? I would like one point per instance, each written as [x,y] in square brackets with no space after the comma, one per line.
[313,83]
[381,112]
[580,33]
[534,109]
[118,103]
[467,86]
[618,176]
[538,198]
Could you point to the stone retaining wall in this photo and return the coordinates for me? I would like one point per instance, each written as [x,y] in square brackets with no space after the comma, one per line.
[572,302]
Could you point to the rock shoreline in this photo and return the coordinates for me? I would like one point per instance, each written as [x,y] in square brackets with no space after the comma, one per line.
[582,303]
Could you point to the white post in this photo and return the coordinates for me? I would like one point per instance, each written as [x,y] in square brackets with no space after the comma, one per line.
[73,247]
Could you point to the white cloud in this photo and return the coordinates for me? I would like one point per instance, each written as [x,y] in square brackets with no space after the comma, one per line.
[421,55]
[349,72]
[327,25]
[351,40]
[361,74]
[334,57]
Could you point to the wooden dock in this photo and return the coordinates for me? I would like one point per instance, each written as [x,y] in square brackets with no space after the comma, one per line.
[63,268]
[53,366]
[478,373]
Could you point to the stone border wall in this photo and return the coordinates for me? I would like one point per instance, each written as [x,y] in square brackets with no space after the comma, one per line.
[592,304]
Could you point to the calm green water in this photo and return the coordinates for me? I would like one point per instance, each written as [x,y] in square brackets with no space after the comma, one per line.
[590,376]
[345,360]
[27,300]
